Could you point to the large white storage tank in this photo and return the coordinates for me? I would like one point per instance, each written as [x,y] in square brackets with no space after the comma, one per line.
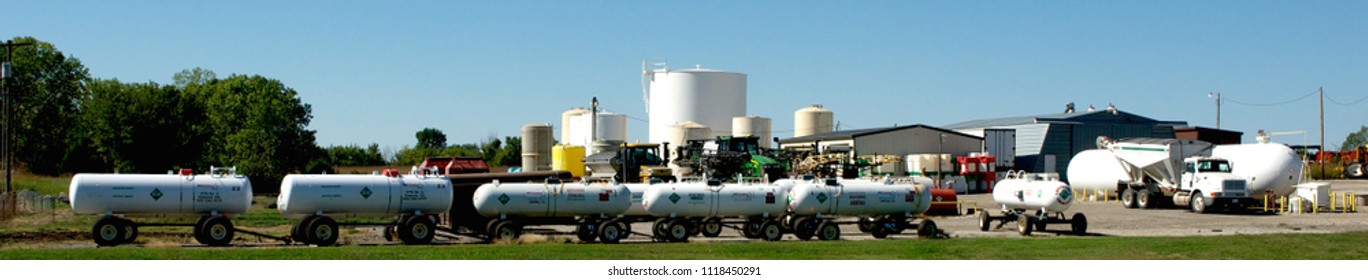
[610,126]
[568,127]
[536,147]
[812,120]
[1269,167]
[708,97]
[1096,171]
[753,126]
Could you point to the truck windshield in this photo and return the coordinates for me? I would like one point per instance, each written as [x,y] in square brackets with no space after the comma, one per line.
[1214,166]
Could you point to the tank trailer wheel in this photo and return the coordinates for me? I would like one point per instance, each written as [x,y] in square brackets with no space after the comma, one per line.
[322,231]
[610,232]
[108,231]
[218,231]
[586,231]
[712,227]
[130,231]
[879,232]
[626,229]
[770,231]
[1024,225]
[1128,198]
[804,228]
[416,230]
[928,229]
[1040,226]
[694,226]
[505,230]
[985,221]
[1080,223]
[1196,203]
[1144,199]
[865,224]
[751,230]
[828,231]
[198,230]
[658,230]
[676,230]
[299,233]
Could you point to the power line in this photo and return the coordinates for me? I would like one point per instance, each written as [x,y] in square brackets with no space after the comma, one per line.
[1332,100]
[1309,94]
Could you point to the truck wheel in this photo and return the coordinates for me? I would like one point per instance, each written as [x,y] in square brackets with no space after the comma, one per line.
[1197,205]
[300,231]
[866,224]
[658,230]
[879,232]
[770,231]
[322,231]
[218,231]
[1144,199]
[1128,198]
[1080,223]
[416,230]
[1040,226]
[108,231]
[610,232]
[1024,225]
[505,230]
[804,228]
[985,221]
[751,230]
[676,231]
[828,230]
[928,229]
[586,231]
[198,230]
[712,227]
[130,231]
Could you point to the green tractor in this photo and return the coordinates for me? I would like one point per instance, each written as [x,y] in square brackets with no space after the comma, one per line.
[728,156]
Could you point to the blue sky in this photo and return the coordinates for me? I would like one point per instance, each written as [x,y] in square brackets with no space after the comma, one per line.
[379,71]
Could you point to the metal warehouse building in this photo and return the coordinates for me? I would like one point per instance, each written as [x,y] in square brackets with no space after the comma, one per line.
[897,140]
[1046,143]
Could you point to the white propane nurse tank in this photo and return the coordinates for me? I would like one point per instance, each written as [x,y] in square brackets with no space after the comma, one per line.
[1096,171]
[1269,167]
[184,193]
[636,209]
[357,196]
[714,199]
[551,199]
[858,197]
[1033,192]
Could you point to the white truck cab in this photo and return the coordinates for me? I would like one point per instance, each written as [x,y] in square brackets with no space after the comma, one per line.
[1208,181]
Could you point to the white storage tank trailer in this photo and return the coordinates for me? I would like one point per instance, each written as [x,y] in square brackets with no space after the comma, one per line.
[689,207]
[594,208]
[1020,192]
[214,197]
[319,200]
[882,208]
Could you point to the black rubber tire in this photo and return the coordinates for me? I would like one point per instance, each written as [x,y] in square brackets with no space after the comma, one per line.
[130,231]
[610,232]
[695,226]
[1144,199]
[108,231]
[1128,198]
[322,231]
[198,231]
[751,230]
[417,230]
[390,232]
[299,233]
[1040,226]
[711,227]
[677,230]
[626,229]
[505,230]
[658,230]
[804,228]
[586,231]
[985,221]
[928,229]
[218,231]
[879,232]
[828,230]
[1024,225]
[1195,203]
[865,224]
[770,231]
[1079,223]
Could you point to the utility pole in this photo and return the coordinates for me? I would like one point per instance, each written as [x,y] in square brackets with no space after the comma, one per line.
[1322,131]
[6,72]
[1218,107]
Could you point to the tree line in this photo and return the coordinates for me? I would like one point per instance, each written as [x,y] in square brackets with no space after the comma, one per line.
[65,121]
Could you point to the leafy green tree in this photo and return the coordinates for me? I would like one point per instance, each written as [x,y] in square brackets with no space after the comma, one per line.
[142,128]
[1355,140]
[431,138]
[46,90]
[355,155]
[259,125]
[511,152]
[195,76]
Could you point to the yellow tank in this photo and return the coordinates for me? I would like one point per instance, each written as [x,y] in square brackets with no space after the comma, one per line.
[568,158]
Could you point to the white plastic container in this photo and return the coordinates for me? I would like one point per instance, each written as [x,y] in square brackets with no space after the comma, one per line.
[858,197]
[698,199]
[357,196]
[1315,193]
[182,194]
[1032,194]
[551,200]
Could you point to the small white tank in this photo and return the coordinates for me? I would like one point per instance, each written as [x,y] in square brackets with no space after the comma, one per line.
[698,199]
[570,132]
[536,147]
[183,194]
[1033,193]
[550,200]
[753,126]
[1269,167]
[858,197]
[1096,171]
[356,196]
[812,120]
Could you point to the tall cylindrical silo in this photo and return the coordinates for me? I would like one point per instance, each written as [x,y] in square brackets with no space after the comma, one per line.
[707,97]
[753,126]
[612,126]
[680,134]
[812,120]
[536,147]
[569,128]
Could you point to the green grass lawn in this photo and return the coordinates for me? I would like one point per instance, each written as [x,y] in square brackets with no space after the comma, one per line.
[1255,247]
[42,184]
